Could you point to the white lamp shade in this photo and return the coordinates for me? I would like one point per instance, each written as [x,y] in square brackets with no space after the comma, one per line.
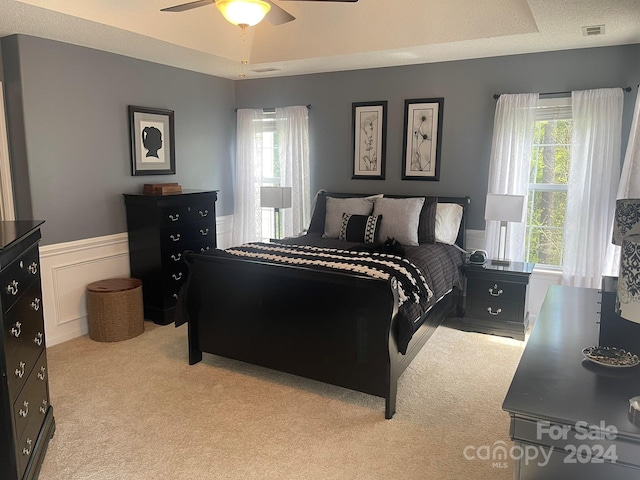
[628,295]
[627,219]
[243,12]
[275,197]
[505,208]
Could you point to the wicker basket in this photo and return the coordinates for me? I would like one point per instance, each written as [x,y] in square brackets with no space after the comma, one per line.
[114,309]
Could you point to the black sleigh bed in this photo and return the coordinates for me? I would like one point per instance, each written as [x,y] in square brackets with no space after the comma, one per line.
[286,306]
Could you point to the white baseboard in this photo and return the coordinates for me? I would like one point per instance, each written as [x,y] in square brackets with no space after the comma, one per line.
[67,269]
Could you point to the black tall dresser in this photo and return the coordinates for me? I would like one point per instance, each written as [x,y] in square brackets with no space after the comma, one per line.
[25,411]
[161,228]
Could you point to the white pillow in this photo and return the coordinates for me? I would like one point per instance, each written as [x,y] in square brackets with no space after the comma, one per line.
[448,217]
[400,218]
[338,206]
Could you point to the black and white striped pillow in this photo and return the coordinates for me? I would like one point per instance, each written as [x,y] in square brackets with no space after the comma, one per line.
[360,228]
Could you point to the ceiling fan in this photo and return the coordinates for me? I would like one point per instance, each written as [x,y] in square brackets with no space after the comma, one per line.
[275,16]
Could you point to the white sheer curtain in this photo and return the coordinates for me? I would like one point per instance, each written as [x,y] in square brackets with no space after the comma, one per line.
[292,127]
[593,181]
[246,197]
[630,178]
[292,143]
[513,131]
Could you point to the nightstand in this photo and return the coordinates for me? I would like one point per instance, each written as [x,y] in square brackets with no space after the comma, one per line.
[496,299]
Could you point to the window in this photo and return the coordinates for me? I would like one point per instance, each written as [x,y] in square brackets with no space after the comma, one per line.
[548,179]
[270,174]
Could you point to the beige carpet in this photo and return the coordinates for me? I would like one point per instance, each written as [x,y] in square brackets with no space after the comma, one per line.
[137,410]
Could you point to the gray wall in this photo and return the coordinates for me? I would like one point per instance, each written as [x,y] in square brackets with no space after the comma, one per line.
[467,87]
[69,133]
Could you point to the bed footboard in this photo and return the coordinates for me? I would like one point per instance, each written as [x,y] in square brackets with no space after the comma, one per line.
[326,326]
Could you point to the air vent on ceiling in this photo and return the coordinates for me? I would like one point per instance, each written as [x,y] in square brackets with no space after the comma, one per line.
[590,30]
[266,69]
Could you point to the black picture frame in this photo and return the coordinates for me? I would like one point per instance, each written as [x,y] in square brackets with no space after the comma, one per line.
[152,141]
[369,125]
[422,124]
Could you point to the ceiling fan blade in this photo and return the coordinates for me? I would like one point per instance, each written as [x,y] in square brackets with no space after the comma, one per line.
[277,15]
[187,6]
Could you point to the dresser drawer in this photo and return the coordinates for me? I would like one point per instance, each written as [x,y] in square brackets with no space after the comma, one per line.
[175,235]
[492,309]
[177,215]
[24,325]
[33,400]
[18,276]
[498,290]
[24,338]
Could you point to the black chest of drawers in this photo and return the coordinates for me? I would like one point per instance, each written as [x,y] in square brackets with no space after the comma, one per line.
[496,298]
[27,422]
[161,228]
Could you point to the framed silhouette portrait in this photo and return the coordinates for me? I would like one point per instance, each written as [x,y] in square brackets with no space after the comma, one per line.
[152,141]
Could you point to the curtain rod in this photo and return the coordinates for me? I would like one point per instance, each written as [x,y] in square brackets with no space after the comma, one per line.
[496,96]
[273,109]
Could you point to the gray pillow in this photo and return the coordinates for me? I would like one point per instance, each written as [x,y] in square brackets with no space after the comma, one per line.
[401,218]
[337,206]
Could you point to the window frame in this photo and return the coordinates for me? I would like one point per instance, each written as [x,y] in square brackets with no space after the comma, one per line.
[548,109]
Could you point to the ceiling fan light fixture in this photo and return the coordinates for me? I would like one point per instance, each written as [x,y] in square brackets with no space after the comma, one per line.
[243,12]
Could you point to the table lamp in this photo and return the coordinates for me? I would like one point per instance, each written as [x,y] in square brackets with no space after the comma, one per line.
[505,209]
[276,198]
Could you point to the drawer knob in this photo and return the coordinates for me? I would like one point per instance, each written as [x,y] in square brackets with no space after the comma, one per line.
[204,232]
[24,411]
[33,268]
[175,295]
[177,277]
[203,213]
[12,288]
[175,237]
[491,312]
[43,408]
[42,373]
[176,258]
[204,249]
[495,291]
[20,370]
[35,305]
[16,330]
[174,218]
[38,339]
[27,449]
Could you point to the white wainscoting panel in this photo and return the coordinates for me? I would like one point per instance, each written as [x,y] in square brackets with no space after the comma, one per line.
[67,269]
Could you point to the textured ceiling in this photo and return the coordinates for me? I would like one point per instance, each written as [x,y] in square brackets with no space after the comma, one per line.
[325,36]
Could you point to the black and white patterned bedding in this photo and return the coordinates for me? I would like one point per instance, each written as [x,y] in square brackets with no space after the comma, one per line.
[427,272]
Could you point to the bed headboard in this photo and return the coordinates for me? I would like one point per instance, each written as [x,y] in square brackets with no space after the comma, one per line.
[319,211]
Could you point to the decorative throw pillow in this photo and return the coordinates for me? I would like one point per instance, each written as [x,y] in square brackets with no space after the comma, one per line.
[318,212]
[336,207]
[401,217]
[360,228]
[427,224]
[448,217]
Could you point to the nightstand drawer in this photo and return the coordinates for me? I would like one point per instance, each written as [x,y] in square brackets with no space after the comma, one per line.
[497,290]
[491,309]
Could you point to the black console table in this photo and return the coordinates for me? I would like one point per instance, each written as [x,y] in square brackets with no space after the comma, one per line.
[573,409]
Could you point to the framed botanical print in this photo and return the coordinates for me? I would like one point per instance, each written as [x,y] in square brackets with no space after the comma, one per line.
[369,139]
[422,139]
[152,141]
